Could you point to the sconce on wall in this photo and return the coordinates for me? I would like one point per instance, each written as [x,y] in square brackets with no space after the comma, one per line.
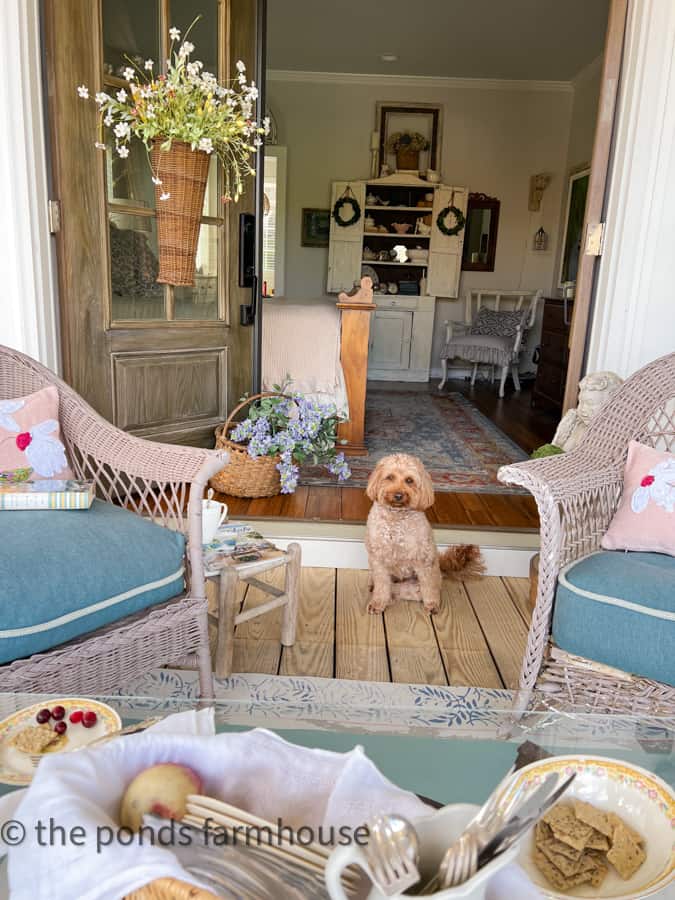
[538,184]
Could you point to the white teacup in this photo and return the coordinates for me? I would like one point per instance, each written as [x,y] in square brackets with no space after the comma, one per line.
[436,833]
[213,516]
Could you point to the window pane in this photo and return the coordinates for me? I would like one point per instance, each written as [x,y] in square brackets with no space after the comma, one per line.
[129,180]
[130,28]
[134,264]
[201,300]
[204,34]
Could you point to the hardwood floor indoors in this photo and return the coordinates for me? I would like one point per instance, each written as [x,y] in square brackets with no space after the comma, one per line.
[513,414]
[477,639]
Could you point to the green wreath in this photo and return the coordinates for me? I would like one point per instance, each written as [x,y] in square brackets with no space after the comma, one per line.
[339,204]
[460,221]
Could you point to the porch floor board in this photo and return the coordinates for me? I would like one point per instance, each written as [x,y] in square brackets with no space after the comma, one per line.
[477,639]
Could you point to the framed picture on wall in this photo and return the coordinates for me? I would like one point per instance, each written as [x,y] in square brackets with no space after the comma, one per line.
[315,227]
[575,211]
[423,118]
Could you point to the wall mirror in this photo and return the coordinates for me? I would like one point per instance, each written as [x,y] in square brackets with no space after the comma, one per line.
[480,240]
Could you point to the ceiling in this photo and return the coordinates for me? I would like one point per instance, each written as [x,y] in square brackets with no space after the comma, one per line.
[550,40]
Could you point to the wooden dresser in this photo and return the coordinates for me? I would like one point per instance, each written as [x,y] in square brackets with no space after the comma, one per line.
[549,385]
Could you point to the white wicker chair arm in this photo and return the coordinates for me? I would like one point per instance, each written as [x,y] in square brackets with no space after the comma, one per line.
[452,328]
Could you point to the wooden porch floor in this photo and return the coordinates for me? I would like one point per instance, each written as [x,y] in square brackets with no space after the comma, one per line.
[478,638]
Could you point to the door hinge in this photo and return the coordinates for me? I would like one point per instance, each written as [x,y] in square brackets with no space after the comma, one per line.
[595,239]
[54,214]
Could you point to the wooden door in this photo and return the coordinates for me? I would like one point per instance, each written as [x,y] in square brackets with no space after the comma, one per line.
[345,242]
[595,200]
[159,361]
[445,251]
[390,342]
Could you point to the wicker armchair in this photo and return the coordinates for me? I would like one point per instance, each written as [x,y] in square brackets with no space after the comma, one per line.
[577,494]
[154,480]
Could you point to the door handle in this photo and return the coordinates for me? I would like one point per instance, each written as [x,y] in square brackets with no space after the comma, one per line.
[247,311]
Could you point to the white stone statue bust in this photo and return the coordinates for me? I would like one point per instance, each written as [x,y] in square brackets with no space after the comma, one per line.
[594,392]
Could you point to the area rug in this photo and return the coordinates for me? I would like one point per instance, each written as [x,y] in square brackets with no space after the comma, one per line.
[460,447]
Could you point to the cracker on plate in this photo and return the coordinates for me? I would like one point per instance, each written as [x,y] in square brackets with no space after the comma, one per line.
[34,738]
[593,817]
[626,854]
[567,828]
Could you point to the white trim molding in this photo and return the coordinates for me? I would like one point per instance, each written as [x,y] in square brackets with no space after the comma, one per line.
[423,81]
[28,311]
[633,319]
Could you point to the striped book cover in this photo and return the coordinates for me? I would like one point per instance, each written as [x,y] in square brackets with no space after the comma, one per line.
[47,494]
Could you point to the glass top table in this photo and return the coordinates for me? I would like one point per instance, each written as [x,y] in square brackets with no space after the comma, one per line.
[447,744]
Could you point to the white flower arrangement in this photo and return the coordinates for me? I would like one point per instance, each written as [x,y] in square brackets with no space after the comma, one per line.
[186,104]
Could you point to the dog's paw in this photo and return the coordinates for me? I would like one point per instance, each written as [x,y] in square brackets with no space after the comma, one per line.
[375,608]
[431,607]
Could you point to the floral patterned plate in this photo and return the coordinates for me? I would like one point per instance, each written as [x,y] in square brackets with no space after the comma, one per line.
[17,767]
[643,800]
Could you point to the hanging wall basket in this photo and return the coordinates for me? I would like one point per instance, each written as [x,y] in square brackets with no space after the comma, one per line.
[183,173]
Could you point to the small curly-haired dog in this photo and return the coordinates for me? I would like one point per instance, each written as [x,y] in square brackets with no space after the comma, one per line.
[402,553]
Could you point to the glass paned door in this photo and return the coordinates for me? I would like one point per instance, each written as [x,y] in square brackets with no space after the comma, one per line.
[134,32]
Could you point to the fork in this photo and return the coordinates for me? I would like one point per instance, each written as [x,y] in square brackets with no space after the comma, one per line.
[391,854]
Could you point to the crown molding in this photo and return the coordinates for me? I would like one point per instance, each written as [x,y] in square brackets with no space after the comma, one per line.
[426,81]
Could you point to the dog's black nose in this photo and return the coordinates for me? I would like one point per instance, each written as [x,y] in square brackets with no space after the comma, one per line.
[398,497]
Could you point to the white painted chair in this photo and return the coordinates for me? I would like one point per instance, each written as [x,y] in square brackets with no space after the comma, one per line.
[495,323]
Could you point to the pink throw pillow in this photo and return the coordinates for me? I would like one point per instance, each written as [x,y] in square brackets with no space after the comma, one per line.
[30,438]
[645,518]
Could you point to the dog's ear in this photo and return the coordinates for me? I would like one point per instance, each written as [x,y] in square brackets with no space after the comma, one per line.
[373,486]
[426,488]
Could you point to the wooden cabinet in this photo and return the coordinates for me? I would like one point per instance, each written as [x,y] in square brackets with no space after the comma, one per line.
[549,385]
[400,200]
[401,332]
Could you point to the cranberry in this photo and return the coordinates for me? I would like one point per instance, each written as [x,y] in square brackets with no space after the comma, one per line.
[76,716]
[89,719]
[58,713]
[43,716]
[60,727]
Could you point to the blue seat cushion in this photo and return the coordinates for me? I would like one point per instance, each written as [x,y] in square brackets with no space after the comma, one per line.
[66,573]
[619,609]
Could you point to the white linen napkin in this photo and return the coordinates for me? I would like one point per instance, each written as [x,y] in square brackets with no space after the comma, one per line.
[255,770]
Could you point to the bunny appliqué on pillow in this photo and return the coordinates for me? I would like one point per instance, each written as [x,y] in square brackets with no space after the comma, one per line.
[658,485]
[45,454]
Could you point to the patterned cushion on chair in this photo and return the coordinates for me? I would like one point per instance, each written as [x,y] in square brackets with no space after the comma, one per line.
[504,323]
[619,609]
[480,348]
[66,573]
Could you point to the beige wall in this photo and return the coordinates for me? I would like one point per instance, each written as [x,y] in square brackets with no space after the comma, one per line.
[493,141]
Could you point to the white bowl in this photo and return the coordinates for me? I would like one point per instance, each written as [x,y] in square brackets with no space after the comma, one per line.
[643,800]
[417,253]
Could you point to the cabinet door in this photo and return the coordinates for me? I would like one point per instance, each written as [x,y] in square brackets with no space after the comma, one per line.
[390,341]
[344,265]
[445,251]
[345,243]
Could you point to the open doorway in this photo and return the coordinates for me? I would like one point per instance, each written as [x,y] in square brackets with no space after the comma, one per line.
[495,108]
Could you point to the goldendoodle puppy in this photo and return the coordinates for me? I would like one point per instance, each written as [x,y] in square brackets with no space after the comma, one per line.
[402,554]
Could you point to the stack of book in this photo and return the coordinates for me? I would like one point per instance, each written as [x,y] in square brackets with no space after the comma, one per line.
[47,494]
[408,288]
[236,544]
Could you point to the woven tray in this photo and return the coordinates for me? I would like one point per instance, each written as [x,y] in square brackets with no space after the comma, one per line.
[170,889]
